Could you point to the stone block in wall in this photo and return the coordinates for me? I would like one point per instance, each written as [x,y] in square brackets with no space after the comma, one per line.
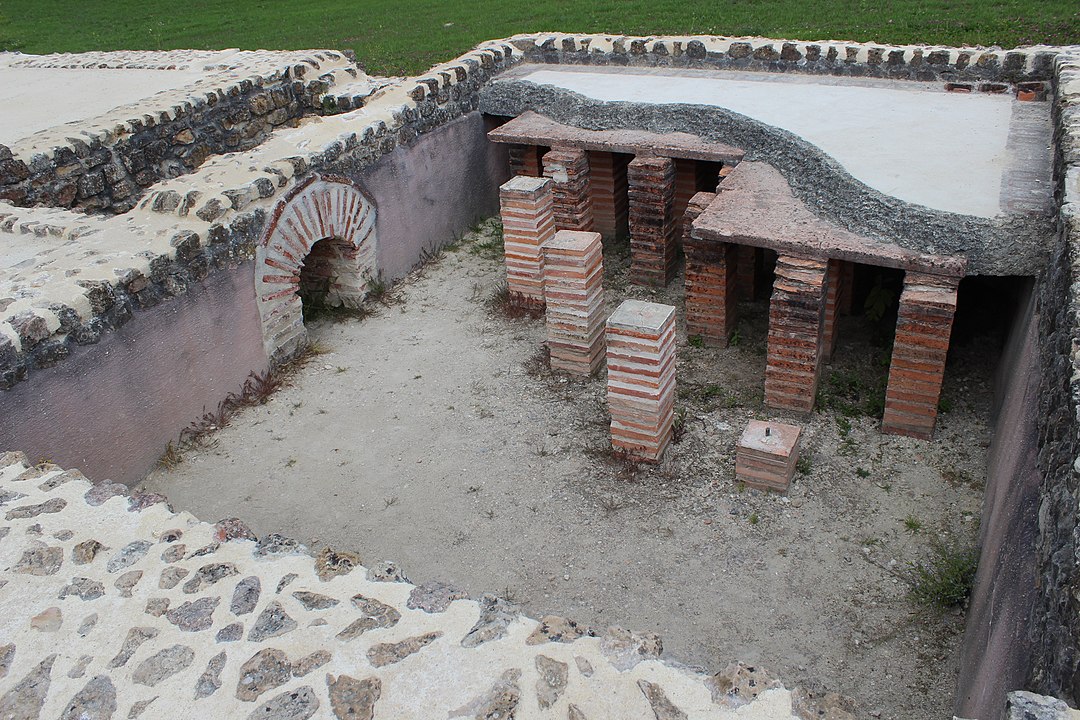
[796,315]
[573,292]
[568,168]
[641,378]
[653,230]
[766,455]
[528,222]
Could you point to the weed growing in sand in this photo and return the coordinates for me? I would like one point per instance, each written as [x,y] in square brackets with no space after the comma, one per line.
[804,464]
[754,519]
[862,472]
[695,341]
[512,305]
[943,580]
[912,524]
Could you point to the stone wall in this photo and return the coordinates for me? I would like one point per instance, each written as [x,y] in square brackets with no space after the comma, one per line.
[981,69]
[997,648]
[1056,615]
[110,163]
[114,606]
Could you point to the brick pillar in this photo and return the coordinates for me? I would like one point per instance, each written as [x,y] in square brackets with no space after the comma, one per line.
[796,315]
[607,193]
[573,291]
[923,326]
[686,184]
[525,160]
[528,223]
[747,272]
[641,378]
[832,307]
[569,169]
[653,230]
[710,280]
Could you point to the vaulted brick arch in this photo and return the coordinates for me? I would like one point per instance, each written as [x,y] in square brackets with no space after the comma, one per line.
[327,225]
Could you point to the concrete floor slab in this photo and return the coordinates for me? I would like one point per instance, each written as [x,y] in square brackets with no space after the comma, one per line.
[914,141]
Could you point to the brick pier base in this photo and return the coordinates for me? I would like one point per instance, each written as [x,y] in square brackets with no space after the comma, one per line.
[526,160]
[641,378]
[710,280]
[923,326]
[573,291]
[526,207]
[607,192]
[796,314]
[569,170]
[747,272]
[833,291]
[653,231]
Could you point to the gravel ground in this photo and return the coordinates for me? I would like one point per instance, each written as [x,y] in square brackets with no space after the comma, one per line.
[432,434]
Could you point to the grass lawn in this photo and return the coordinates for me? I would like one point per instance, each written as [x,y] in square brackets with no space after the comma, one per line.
[408,36]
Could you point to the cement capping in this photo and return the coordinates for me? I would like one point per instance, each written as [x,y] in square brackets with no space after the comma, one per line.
[641,316]
[755,206]
[531,128]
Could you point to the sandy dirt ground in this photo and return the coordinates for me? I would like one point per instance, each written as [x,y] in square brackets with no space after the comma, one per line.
[431,434]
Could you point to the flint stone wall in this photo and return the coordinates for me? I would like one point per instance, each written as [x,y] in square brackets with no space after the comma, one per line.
[1056,615]
[108,167]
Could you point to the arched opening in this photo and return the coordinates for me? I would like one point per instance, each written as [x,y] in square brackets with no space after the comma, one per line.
[319,249]
[328,279]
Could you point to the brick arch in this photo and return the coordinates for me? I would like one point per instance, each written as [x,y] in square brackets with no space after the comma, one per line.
[321,210]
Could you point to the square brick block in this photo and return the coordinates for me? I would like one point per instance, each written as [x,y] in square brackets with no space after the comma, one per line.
[766,455]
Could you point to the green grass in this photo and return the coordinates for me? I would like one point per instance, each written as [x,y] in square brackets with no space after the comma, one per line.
[409,36]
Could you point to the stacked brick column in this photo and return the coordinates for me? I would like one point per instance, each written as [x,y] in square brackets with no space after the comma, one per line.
[923,327]
[653,230]
[796,314]
[686,184]
[525,160]
[832,309]
[607,193]
[847,287]
[710,280]
[641,378]
[569,169]
[573,291]
[747,272]
[528,223]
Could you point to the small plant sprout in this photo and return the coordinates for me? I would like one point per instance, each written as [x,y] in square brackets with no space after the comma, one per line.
[804,464]
[912,524]
[862,472]
[388,502]
[754,519]
[695,341]
[943,580]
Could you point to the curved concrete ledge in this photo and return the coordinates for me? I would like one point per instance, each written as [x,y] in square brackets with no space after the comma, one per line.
[1013,245]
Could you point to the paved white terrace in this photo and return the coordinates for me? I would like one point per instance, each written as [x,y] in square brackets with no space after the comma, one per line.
[915,141]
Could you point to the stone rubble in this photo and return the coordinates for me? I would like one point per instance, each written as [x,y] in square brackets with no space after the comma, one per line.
[343,647]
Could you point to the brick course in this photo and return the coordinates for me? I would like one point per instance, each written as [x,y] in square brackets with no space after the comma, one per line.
[573,291]
[923,328]
[526,160]
[569,169]
[711,303]
[641,378]
[607,192]
[528,222]
[653,230]
[796,316]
